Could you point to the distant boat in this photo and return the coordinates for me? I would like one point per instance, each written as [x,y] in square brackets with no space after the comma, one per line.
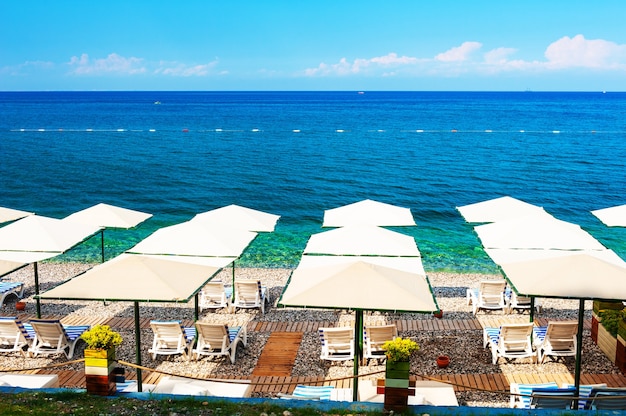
[361,92]
[157,102]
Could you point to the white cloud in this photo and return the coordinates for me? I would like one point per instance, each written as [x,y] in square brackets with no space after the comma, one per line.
[178,69]
[112,64]
[580,52]
[27,67]
[459,53]
[344,67]
[498,55]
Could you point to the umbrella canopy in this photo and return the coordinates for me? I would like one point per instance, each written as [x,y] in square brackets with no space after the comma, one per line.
[195,238]
[239,217]
[612,217]
[360,283]
[109,216]
[8,266]
[508,255]
[536,232]
[576,276]
[138,278]
[499,209]
[361,240]
[368,212]
[37,233]
[10,214]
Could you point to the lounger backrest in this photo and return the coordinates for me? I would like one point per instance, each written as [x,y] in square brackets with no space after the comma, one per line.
[608,398]
[214,291]
[552,398]
[49,331]
[248,292]
[376,336]
[515,337]
[168,332]
[562,335]
[337,340]
[12,329]
[491,292]
[215,336]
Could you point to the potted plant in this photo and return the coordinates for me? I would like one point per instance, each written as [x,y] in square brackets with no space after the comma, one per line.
[398,353]
[101,341]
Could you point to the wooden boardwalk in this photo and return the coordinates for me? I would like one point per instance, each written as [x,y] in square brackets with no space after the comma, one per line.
[274,367]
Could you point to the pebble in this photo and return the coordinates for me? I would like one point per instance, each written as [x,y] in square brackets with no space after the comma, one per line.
[464,347]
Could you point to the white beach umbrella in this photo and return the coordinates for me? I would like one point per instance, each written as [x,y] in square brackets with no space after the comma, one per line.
[507,255]
[35,238]
[108,216]
[137,278]
[361,240]
[195,238]
[536,232]
[359,283]
[499,209]
[613,216]
[239,217]
[10,214]
[38,233]
[368,212]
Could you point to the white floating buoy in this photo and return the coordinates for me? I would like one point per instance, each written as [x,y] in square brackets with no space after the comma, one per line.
[88,129]
[41,129]
[339,131]
[521,131]
[419,131]
[556,131]
[488,131]
[152,130]
[296,131]
[218,130]
[121,130]
[255,130]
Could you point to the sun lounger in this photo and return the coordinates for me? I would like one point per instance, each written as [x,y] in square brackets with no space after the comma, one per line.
[215,295]
[191,387]
[251,294]
[560,398]
[337,343]
[521,393]
[607,398]
[52,337]
[375,337]
[509,341]
[584,390]
[558,339]
[219,340]
[488,295]
[13,335]
[10,288]
[171,338]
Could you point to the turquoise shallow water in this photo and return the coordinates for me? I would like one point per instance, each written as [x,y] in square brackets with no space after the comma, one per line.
[298,153]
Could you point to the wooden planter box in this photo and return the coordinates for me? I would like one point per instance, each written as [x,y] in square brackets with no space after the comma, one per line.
[620,354]
[397,390]
[595,321]
[599,305]
[99,371]
[607,343]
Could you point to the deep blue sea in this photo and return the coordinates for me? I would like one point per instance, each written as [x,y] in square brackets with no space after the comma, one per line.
[297,154]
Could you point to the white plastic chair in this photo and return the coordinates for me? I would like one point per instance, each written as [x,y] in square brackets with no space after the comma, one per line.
[250,294]
[337,344]
[11,288]
[51,337]
[219,340]
[13,335]
[558,339]
[170,338]
[510,341]
[488,295]
[375,337]
[215,295]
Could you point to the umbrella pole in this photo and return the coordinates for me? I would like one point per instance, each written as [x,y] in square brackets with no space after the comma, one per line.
[579,347]
[38,302]
[232,296]
[196,308]
[102,243]
[138,348]
[358,332]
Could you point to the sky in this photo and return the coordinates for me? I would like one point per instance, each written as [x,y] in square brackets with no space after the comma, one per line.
[246,45]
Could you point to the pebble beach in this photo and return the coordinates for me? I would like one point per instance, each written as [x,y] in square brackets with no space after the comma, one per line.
[464,347]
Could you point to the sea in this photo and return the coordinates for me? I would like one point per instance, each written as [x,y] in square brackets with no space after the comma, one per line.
[296,154]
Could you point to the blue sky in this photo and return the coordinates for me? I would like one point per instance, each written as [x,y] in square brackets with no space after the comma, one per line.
[443,45]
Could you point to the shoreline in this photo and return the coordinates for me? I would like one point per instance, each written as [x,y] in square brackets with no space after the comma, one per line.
[464,346]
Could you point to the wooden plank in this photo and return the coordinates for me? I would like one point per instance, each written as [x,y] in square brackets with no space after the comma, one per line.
[279,354]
